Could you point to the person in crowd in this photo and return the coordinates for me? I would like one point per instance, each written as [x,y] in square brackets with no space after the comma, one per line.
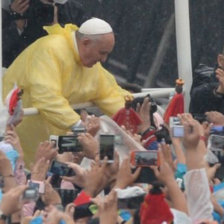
[23,22]
[62,69]
[181,190]
[210,96]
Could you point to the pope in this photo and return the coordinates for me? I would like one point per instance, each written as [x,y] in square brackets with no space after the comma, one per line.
[61,69]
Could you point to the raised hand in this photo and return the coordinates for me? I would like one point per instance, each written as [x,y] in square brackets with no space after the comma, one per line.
[46,150]
[107,208]
[125,177]
[20,6]
[11,201]
[89,144]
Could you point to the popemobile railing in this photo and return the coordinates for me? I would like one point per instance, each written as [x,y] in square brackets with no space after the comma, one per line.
[155,93]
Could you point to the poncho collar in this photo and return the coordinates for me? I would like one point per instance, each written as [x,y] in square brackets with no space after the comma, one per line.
[67,32]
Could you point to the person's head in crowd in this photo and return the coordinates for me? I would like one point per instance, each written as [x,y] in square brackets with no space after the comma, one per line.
[95,40]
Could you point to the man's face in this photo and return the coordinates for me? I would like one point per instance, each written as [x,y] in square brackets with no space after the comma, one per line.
[93,51]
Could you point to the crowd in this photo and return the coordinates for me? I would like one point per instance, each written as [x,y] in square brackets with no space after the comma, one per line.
[149,171]
[185,178]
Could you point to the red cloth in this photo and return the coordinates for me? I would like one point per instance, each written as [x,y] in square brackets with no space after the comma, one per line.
[128,118]
[13,100]
[155,210]
[83,198]
[176,106]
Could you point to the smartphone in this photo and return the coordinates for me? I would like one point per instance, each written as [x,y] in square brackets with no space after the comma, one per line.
[146,176]
[31,194]
[130,203]
[107,147]
[144,158]
[82,211]
[39,186]
[61,169]
[69,143]
[78,130]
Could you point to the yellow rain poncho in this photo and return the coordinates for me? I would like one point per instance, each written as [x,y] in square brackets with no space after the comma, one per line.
[52,77]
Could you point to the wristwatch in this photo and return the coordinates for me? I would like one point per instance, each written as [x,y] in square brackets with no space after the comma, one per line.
[3,216]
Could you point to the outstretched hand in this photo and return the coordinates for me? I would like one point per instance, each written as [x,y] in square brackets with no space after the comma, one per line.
[192,131]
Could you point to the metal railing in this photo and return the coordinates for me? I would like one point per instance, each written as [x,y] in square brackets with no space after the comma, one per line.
[155,93]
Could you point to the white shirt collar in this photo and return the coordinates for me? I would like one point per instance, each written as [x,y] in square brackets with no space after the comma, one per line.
[75,42]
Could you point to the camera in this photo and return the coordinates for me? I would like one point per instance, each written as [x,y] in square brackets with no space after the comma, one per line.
[107,147]
[177,130]
[140,100]
[40,186]
[31,194]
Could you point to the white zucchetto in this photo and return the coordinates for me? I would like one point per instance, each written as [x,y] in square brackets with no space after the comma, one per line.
[95,26]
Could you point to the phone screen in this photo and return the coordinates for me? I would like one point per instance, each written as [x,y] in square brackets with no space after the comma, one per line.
[68,143]
[177,131]
[61,169]
[30,194]
[34,185]
[107,147]
[145,158]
